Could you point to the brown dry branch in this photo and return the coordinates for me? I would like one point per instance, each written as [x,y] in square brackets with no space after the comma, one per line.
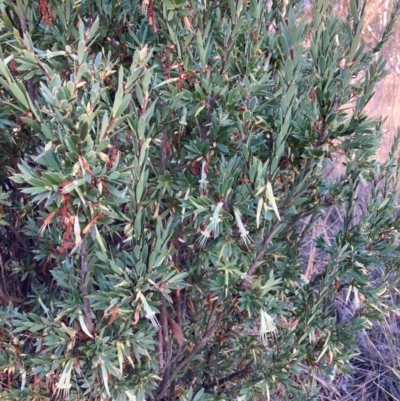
[246,283]
[166,342]
[212,326]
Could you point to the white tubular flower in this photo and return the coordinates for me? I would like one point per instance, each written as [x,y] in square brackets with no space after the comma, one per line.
[356,301]
[215,220]
[185,197]
[203,181]
[205,235]
[212,225]
[271,199]
[182,121]
[145,6]
[64,384]
[149,313]
[243,232]
[143,52]
[267,325]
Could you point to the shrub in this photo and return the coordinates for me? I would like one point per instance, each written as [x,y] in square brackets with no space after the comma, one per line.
[167,166]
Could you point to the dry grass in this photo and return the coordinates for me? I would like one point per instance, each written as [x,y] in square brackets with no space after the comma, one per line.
[386,103]
[376,370]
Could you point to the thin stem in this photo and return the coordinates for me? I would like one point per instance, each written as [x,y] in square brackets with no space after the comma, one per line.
[165,336]
[84,290]
[160,350]
[246,283]
[164,150]
[207,334]
[232,377]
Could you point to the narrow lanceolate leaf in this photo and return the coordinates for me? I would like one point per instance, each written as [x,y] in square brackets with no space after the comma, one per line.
[271,199]
[99,239]
[117,101]
[64,384]
[120,354]
[16,91]
[77,231]
[71,332]
[84,327]
[94,28]
[23,379]
[130,396]
[104,375]
[259,209]
[124,104]
[4,70]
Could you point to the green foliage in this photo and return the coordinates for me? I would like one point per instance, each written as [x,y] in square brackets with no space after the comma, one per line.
[167,165]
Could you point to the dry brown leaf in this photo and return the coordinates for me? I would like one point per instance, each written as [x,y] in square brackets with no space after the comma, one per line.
[176,330]
[46,222]
[136,316]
